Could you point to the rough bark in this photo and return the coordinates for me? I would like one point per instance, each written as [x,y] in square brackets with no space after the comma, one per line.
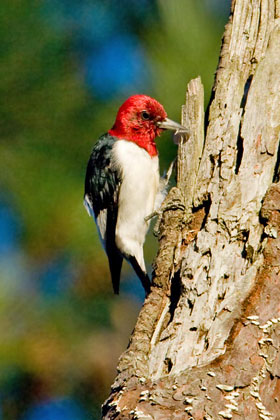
[206,344]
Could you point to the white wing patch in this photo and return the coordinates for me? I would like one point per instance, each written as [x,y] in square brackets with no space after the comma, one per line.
[88,206]
[101,222]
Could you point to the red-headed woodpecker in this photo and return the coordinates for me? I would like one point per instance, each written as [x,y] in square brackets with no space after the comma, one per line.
[122,185]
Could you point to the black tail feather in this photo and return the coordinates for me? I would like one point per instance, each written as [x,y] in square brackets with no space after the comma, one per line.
[115,263]
[143,276]
[114,256]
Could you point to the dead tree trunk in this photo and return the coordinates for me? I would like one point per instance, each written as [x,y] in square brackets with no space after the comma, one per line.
[206,344]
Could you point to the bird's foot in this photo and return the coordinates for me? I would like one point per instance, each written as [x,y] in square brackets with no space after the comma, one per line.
[158,213]
[169,204]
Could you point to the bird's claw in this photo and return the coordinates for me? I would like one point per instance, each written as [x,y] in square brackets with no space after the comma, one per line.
[167,206]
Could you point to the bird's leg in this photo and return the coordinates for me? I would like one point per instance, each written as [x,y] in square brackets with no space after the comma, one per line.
[172,202]
[151,216]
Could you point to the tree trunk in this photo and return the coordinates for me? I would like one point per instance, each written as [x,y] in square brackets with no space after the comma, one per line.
[206,344]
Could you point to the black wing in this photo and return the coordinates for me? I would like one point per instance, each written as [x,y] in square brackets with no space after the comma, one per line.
[102,181]
[102,185]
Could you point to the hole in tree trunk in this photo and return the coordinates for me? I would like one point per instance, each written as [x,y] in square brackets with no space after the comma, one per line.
[175,294]
[240,146]
[240,150]
[276,175]
[246,91]
[169,364]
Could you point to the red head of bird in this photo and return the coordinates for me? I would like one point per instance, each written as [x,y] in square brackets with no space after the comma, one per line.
[141,119]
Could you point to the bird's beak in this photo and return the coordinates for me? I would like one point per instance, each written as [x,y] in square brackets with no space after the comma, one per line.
[168,124]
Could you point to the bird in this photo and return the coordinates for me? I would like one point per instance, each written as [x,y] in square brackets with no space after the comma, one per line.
[122,183]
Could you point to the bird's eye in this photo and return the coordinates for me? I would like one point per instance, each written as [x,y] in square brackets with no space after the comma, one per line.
[145,115]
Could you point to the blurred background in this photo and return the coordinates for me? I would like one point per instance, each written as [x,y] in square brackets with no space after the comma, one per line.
[66,67]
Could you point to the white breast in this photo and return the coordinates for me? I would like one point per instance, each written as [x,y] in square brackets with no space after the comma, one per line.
[137,196]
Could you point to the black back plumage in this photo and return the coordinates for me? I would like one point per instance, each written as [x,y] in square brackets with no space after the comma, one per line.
[102,185]
[102,180]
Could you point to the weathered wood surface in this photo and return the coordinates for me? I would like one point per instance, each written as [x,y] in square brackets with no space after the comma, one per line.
[207,341]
